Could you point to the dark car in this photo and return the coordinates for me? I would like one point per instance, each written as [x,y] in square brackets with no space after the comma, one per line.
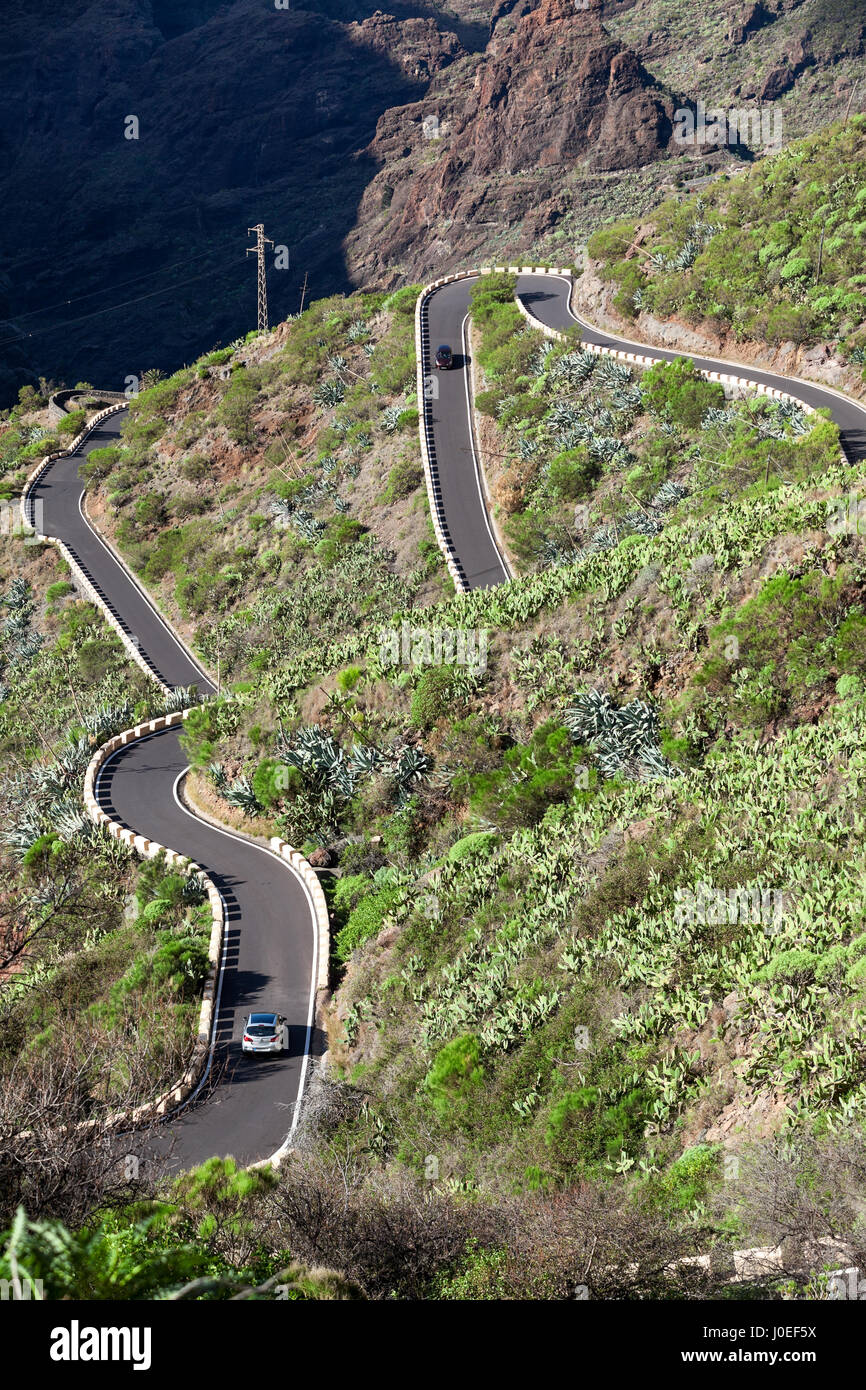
[444,357]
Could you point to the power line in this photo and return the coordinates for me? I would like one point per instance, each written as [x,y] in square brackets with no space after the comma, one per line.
[104,289]
[109,308]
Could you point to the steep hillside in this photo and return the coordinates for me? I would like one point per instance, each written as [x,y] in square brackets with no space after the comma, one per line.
[767,264]
[376,147]
[272,495]
[587,922]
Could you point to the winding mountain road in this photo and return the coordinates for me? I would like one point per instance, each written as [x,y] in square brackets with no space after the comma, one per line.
[547,298]
[248,1107]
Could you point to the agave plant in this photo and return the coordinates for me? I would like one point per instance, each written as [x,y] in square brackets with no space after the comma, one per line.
[572,369]
[719,417]
[784,417]
[410,766]
[281,511]
[72,822]
[627,398]
[623,738]
[642,523]
[357,331]
[613,374]
[106,719]
[18,594]
[241,794]
[364,759]
[306,525]
[26,647]
[180,697]
[564,416]
[330,392]
[538,365]
[390,418]
[527,448]
[608,448]
[194,890]
[217,774]
[668,495]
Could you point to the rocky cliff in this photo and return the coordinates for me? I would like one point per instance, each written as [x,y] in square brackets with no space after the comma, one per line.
[377,147]
[553,93]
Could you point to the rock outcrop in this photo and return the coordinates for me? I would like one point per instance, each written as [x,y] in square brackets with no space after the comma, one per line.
[553,92]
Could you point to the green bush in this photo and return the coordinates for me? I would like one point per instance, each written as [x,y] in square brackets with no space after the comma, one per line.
[431,698]
[456,1074]
[237,406]
[273,780]
[610,243]
[677,390]
[365,921]
[582,1129]
[349,678]
[477,846]
[348,892]
[488,402]
[406,475]
[571,474]
[71,424]
[855,975]
[687,1181]
[59,590]
[531,778]
[793,967]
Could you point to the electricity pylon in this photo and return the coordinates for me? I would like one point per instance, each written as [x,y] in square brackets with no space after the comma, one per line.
[259,250]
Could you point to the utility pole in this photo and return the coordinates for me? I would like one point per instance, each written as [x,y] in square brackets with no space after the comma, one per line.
[303,293]
[259,251]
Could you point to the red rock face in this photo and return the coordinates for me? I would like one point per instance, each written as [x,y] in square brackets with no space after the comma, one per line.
[554,92]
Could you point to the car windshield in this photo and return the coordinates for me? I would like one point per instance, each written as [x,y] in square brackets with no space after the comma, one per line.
[261,1030]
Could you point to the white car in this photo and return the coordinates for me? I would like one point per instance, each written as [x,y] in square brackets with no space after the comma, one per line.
[266,1033]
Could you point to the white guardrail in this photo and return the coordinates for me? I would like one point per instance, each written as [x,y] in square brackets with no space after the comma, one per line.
[196,1072]
[733,381]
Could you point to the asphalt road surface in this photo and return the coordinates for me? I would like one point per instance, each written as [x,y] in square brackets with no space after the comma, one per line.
[547,299]
[248,1104]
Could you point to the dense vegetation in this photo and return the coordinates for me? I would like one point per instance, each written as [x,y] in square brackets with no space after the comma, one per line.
[595,837]
[774,254]
[102,960]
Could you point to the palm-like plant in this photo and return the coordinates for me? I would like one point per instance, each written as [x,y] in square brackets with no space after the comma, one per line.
[623,738]
[390,418]
[330,392]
